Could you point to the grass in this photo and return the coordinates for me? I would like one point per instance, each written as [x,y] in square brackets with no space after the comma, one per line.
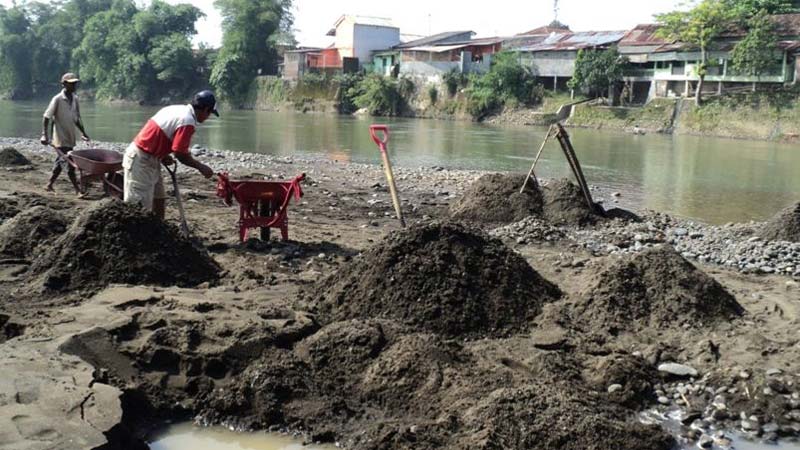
[656,116]
[766,115]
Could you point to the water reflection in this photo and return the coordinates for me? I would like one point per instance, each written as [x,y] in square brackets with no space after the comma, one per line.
[186,436]
[715,180]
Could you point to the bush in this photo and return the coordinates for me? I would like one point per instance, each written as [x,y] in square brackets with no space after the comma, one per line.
[433,94]
[508,82]
[380,95]
[346,82]
[405,87]
[453,80]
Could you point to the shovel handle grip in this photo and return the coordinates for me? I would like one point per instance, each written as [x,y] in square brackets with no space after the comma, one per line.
[382,139]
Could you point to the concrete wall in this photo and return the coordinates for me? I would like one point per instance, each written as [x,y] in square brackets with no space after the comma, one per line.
[345,37]
[368,38]
[551,64]
[437,68]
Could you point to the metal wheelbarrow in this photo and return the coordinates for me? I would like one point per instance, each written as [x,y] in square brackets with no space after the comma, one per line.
[262,204]
[98,164]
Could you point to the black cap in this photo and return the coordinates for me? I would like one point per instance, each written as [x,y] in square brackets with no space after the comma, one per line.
[205,99]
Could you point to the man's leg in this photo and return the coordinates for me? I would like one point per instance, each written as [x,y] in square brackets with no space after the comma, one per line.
[160,207]
[159,197]
[141,176]
[74,179]
[54,175]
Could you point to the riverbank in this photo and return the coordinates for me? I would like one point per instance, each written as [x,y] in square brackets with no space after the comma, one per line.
[261,347]
[768,116]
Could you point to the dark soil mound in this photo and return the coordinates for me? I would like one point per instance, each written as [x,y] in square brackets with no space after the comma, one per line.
[495,198]
[113,242]
[445,278]
[539,416]
[785,226]
[9,156]
[29,230]
[656,288]
[8,208]
[564,204]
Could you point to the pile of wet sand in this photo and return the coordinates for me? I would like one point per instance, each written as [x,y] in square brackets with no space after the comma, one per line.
[785,226]
[443,277]
[30,229]
[9,156]
[496,198]
[657,288]
[113,242]
[375,385]
[564,204]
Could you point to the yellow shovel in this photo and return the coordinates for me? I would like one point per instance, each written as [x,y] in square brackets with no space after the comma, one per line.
[381,141]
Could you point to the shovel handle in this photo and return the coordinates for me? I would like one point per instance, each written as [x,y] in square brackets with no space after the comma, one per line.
[380,140]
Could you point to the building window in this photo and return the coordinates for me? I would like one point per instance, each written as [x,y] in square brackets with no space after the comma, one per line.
[678,68]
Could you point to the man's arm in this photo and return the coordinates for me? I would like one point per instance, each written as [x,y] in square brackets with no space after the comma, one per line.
[47,131]
[188,160]
[79,122]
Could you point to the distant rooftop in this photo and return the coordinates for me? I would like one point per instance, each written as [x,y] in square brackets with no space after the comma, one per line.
[431,40]
[363,20]
[576,41]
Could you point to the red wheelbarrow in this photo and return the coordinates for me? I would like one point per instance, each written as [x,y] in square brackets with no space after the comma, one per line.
[97,164]
[262,204]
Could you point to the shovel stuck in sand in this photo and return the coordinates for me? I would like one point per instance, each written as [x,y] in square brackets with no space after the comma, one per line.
[184,225]
[387,166]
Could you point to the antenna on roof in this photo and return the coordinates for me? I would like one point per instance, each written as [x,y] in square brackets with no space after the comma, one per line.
[555,10]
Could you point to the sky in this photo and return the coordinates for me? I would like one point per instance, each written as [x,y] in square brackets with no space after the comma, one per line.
[313,18]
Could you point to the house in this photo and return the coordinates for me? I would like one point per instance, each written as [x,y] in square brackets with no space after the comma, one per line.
[296,62]
[357,37]
[669,69]
[552,57]
[454,53]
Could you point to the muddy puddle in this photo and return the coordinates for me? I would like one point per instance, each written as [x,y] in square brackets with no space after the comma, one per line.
[187,436]
[735,440]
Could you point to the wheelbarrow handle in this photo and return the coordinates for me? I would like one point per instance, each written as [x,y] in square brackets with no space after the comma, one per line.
[380,140]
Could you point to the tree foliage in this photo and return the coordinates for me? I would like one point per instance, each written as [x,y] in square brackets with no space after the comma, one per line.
[117,47]
[252,31]
[508,82]
[698,27]
[755,54]
[596,71]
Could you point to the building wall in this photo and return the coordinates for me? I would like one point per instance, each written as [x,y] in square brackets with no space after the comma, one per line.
[293,65]
[551,64]
[345,36]
[437,68]
[368,38]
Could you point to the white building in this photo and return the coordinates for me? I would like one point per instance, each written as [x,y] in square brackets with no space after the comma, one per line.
[359,36]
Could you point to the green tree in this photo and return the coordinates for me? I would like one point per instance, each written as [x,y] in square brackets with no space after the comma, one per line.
[16,38]
[508,82]
[697,27]
[744,9]
[755,54]
[380,95]
[139,54]
[596,71]
[251,29]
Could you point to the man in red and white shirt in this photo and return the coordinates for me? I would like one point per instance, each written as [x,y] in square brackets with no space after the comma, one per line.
[166,133]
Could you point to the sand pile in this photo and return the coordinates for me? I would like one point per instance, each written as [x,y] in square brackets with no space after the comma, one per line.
[785,226]
[8,208]
[9,156]
[30,229]
[564,204]
[445,278]
[495,198]
[656,288]
[113,242]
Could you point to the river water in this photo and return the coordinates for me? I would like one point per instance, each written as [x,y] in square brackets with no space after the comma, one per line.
[709,179]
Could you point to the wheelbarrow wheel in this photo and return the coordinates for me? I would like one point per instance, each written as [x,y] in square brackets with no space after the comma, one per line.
[265,210]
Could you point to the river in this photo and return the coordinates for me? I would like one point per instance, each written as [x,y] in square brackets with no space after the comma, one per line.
[709,179]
